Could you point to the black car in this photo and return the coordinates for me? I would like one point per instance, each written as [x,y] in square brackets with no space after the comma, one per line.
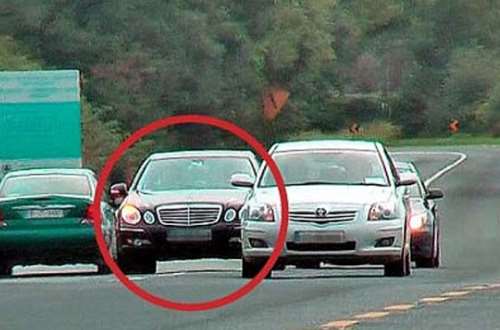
[424,221]
[181,205]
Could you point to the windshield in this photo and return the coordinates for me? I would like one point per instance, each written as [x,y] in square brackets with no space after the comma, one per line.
[33,185]
[193,173]
[338,167]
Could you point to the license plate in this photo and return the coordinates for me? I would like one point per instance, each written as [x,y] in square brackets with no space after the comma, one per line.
[319,237]
[189,235]
[45,214]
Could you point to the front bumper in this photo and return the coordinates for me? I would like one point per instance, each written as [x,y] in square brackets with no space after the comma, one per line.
[361,243]
[223,241]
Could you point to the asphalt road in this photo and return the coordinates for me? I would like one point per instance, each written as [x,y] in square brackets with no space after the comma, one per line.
[74,298]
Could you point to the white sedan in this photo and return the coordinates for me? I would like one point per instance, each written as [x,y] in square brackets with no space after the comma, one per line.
[347,206]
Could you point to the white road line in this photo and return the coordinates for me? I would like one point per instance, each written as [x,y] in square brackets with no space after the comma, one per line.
[461,158]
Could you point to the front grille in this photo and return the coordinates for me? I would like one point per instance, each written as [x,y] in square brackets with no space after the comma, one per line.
[312,216]
[348,246]
[187,215]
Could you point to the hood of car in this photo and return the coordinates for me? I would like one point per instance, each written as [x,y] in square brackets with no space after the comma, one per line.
[226,197]
[326,194]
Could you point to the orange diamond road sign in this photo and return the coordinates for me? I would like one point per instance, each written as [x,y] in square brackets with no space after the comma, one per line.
[274,100]
[454,126]
[354,128]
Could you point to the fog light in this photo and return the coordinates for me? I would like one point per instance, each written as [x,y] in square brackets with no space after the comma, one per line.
[137,242]
[230,215]
[149,218]
[385,242]
[257,243]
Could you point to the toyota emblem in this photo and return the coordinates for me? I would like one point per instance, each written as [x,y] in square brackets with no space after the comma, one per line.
[321,212]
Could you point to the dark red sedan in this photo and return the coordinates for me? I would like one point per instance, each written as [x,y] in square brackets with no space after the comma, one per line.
[181,205]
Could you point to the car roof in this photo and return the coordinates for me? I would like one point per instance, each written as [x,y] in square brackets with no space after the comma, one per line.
[203,153]
[50,171]
[361,145]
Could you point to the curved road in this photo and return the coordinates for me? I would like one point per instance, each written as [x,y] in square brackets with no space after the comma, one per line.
[463,292]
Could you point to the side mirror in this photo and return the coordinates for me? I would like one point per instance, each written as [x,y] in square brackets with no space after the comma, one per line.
[117,193]
[407,179]
[435,194]
[242,180]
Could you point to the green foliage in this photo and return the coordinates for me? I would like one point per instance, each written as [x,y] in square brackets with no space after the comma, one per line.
[13,57]
[413,63]
[99,138]
[143,61]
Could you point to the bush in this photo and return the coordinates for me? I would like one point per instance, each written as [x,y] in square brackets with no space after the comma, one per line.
[377,130]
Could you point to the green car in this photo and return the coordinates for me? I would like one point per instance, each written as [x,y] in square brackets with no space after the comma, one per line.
[45,219]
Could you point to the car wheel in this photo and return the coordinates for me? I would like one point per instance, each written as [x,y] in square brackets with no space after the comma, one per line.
[137,264]
[102,268]
[5,269]
[251,269]
[308,265]
[434,260]
[228,250]
[113,245]
[437,258]
[399,268]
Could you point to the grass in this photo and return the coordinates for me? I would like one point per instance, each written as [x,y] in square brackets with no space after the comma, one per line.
[457,139]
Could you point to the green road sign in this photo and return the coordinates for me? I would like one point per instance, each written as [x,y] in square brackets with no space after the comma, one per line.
[40,119]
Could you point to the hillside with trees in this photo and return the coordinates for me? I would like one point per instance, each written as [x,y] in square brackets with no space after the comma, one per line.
[399,68]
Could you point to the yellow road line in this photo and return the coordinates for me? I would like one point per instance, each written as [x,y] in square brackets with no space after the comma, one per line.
[399,308]
[339,325]
[433,300]
[348,324]
[476,288]
[371,315]
[454,294]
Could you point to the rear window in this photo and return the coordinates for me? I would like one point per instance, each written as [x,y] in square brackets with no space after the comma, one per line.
[33,185]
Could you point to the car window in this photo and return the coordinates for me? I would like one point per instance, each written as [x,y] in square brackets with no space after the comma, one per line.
[414,191]
[342,167]
[53,184]
[193,173]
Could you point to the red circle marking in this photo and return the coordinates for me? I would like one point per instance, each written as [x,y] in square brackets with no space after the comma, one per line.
[202,120]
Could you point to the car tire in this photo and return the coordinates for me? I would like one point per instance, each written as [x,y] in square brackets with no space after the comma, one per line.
[308,265]
[401,267]
[251,269]
[228,250]
[5,270]
[137,264]
[434,260]
[102,268]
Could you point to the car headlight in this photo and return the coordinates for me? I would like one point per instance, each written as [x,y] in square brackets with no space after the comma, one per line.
[230,215]
[149,217]
[130,215]
[418,221]
[258,212]
[382,211]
